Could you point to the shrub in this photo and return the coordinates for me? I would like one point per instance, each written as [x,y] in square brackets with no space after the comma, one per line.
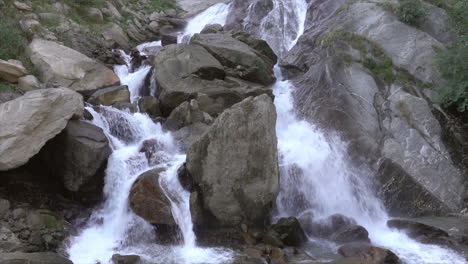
[13,41]
[410,12]
[161,5]
[453,62]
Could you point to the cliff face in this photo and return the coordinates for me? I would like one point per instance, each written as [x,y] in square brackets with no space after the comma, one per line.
[358,69]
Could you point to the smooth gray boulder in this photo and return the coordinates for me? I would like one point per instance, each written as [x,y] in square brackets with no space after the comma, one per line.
[236,54]
[29,121]
[110,95]
[236,163]
[63,66]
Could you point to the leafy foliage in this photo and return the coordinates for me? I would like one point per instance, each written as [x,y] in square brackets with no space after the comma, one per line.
[161,5]
[453,61]
[411,12]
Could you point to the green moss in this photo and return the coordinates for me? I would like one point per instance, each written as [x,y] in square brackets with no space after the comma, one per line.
[411,12]
[5,87]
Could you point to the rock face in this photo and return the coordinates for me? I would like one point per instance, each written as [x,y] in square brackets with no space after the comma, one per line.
[185,72]
[29,121]
[236,162]
[79,156]
[361,71]
[60,65]
[11,71]
[234,53]
[148,200]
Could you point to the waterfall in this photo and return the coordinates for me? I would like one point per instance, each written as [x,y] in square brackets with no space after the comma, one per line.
[114,228]
[316,175]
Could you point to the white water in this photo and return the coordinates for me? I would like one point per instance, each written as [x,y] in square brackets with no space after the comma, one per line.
[114,228]
[316,175]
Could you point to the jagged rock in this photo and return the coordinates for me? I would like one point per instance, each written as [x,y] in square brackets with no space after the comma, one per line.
[421,232]
[9,242]
[110,95]
[243,182]
[150,105]
[185,71]
[11,70]
[148,200]
[233,53]
[185,114]
[371,254]
[29,121]
[73,70]
[29,83]
[33,258]
[79,155]
[114,34]
[259,45]
[290,231]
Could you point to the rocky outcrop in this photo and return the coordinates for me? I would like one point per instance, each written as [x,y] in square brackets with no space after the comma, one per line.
[110,96]
[79,156]
[236,163]
[361,71]
[148,200]
[11,70]
[251,65]
[29,121]
[186,72]
[60,65]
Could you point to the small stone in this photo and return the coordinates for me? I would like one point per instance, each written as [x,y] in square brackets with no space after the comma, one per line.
[28,83]
[253,252]
[19,213]
[244,228]
[22,6]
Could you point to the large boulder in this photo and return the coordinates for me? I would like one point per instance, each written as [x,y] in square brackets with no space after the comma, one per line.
[79,156]
[236,54]
[371,254]
[33,258]
[148,200]
[63,66]
[236,162]
[110,95]
[290,231]
[421,232]
[11,71]
[185,72]
[29,121]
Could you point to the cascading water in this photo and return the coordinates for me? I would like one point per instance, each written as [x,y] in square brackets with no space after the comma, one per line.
[114,228]
[316,175]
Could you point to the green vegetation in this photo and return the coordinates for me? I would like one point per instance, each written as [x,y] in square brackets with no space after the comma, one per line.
[161,5]
[13,41]
[5,87]
[411,12]
[453,62]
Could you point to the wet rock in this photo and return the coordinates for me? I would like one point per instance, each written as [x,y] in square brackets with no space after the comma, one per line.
[110,95]
[185,178]
[29,121]
[355,233]
[186,114]
[73,70]
[233,53]
[421,232]
[371,254]
[148,200]
[11,71]
[259,45]
[150,105]
[126,259]
[33,258]
[271,237]
[168,39]
[242,183]
[325,228]
[290,231]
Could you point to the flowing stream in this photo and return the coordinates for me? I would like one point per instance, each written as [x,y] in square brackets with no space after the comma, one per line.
[316,176]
